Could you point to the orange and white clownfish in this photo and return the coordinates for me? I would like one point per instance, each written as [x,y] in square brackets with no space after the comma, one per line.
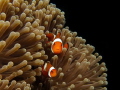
[57,44]
[48,70]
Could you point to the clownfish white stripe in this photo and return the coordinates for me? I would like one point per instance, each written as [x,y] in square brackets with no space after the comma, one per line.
[54,36]
[57,40]
[50,71]
[45,66]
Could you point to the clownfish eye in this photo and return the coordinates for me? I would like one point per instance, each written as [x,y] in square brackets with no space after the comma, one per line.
[52,71]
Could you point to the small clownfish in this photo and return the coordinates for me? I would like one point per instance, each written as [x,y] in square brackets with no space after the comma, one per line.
[48,70]
[57,44]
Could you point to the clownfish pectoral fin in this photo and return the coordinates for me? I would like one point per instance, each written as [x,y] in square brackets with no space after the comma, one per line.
[58,35]
[50,36]
[66,46]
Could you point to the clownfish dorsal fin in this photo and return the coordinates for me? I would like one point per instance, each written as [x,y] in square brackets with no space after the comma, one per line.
[58,35]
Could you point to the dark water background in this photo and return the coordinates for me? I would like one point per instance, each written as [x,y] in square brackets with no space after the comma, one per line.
[96,22]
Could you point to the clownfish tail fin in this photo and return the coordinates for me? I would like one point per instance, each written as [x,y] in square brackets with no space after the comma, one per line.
[58,35]
[66,46]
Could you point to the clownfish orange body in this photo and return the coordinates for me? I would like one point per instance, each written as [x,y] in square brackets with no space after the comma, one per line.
[48,70]
[57,44]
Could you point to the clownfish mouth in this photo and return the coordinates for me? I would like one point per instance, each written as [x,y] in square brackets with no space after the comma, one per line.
[58,49]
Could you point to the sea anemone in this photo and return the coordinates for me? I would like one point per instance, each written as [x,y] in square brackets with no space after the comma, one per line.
[23,50]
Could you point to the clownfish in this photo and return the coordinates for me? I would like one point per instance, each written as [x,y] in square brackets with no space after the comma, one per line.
[57,44]
[48,70]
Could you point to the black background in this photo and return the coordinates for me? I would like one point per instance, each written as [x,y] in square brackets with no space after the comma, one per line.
[95,22]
